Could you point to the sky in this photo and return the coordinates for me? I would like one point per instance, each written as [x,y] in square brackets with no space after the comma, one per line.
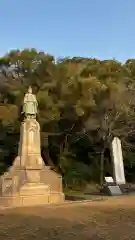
[102,29]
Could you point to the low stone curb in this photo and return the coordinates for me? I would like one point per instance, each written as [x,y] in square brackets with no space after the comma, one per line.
[75,202]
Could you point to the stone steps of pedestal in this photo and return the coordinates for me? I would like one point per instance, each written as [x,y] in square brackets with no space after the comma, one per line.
[8,203]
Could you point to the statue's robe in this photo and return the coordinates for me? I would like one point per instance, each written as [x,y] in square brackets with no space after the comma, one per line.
[30,104]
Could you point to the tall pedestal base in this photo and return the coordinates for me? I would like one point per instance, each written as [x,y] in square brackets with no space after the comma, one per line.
[29,182]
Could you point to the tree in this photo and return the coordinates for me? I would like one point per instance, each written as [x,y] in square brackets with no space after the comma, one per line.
[111,116]
[83,103]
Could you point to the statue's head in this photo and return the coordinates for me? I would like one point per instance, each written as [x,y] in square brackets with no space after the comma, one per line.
[29,89]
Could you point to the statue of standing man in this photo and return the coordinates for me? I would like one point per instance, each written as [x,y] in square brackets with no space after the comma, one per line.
[30,105]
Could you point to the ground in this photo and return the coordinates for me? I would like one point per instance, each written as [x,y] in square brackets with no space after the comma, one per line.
[108,219]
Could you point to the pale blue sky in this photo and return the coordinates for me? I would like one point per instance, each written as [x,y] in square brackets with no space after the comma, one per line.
[90,28]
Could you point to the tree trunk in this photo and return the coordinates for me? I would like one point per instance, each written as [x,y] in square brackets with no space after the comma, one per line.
[47,158]
[102,167]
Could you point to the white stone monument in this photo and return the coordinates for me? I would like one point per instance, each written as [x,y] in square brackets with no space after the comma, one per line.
[117,158]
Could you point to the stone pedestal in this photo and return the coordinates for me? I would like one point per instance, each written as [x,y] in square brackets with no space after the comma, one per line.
[29,181]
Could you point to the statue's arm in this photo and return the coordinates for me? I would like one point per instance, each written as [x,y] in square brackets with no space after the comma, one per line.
[35,100]
[25,99]
[24,103]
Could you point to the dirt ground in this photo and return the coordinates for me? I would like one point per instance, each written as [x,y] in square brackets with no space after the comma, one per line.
[109,219]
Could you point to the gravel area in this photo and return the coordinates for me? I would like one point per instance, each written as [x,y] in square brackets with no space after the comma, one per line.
[113,219]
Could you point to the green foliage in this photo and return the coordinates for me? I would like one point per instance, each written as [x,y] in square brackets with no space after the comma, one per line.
[83,103]
[76,175]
